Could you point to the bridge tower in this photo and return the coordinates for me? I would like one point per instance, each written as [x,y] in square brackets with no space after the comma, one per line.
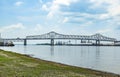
[25,42]
[52,42]
[97,42]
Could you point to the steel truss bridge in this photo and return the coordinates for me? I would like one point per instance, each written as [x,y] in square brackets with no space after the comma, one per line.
[53,36]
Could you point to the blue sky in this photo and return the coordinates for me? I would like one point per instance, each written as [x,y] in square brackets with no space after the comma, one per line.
[19,18]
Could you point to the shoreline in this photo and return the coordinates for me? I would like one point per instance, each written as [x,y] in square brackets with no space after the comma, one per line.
[85,71]
[105,72]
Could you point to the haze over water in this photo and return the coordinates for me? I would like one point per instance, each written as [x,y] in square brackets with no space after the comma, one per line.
[104,58]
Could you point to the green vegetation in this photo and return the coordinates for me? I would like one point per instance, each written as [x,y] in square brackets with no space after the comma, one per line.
[17,65]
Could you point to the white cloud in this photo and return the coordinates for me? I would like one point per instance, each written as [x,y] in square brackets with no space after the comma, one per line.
[112,7]
[66,19]
[63,2]
[53,10]
[99,3]
[44,7]
[54,6]
[103,16]
[19,3]
[88,19]
[113,10]
[38,27]
[12,27]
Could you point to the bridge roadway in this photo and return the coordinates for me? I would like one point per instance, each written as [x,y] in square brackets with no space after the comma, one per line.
[53,35]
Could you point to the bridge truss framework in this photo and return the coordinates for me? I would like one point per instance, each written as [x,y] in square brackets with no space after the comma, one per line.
[53,35]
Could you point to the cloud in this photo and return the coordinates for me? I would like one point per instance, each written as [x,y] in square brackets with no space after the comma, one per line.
[108,10]
[113,10]
[57,8]
[63,2]
[66,19]
[44,7]
[53,7]
[12,27]
[19,3]
[38,27]
[111,7]
[93,9]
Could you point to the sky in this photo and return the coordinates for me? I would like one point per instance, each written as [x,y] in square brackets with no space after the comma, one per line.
[20,18]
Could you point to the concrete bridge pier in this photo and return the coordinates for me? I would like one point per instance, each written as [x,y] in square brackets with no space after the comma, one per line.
[52,42]
[25,42]
[97,42]
[114,42]
[81,41]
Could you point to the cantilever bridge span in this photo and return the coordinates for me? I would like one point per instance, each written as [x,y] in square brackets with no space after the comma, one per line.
[53,36]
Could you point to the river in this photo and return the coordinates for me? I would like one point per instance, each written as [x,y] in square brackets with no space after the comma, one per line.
[103,58]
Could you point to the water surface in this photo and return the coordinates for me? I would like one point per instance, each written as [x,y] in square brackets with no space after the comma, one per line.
[104,58]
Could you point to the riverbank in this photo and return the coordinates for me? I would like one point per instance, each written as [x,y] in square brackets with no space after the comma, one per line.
[17,65]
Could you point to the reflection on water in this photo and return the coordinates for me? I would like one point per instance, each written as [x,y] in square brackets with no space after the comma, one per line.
[25,49]
[95,57]
[52,50]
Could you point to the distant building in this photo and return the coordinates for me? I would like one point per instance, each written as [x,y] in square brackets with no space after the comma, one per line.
[5,43]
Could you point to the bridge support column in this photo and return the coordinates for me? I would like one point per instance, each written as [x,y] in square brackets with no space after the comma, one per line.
[81,41]
[25,42]
[52,42]
[97,42]
[115,42]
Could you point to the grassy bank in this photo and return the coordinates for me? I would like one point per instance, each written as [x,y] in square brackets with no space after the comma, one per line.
[17,65]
